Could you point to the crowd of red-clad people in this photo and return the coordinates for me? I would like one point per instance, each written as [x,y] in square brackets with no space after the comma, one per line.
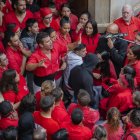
[60,79]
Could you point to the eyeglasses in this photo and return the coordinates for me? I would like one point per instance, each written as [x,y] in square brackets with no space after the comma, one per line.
[48,17]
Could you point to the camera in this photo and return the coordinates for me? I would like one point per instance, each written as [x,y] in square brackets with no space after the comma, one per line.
[118,35]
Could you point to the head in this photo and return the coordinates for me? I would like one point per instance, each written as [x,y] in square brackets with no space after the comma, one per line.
[47,103]
[103,56]
[136,98]
[90,61]
[65,10]
[27,104]
[10,133]
[100,133]
[135,117]
[84,17]
[137,38]
[57,93]
[3,60]
[91,28]
[32,26]
[13,27]
[46,15]
[6,109]
[61,134]
[83,97]
[113,119]
[127,13]
[19,6]
[77,116]
[51,32]
[53,8]
[80,50]
[29,1]
[112,29]
[44,41]
[9,81]
[65,25]
[39,134]
[47,87]
[133,53]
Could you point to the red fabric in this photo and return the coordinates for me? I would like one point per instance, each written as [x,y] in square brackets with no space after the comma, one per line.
[45,11]
[115,135]
[90,42]
[59,3]
[135,131]
[73,21]
[77,132]
[118,96]
[11,18]
[49,124]
[14,58]
[52,65]
[7,8]
[53,24]
[75,36]
[6,122]
[130,29]
[91,116]
[2,47]
[38,98]
[22,89]
[60,114]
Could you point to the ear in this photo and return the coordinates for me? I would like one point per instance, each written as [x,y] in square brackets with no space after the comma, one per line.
[9,43]
[29,28]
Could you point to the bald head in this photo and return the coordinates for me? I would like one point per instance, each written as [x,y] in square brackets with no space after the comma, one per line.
[112,28]
[127,12]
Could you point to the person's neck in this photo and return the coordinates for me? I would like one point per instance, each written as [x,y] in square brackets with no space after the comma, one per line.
[19,14]
[57,103]
[46,51]
[46,114]
[132,61]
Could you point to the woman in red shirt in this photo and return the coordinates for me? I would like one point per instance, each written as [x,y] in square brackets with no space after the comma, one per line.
[90,36]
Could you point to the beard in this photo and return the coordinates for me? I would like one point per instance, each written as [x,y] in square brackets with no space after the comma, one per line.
[22,11]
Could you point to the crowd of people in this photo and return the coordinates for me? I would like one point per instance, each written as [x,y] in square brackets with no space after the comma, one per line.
[60,79]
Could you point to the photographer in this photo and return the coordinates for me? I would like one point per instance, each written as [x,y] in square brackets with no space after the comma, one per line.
[114,45]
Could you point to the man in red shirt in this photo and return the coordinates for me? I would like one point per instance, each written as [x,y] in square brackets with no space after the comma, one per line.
[128,23]
[77,131]
[19,16]
[44,62]
[44,118]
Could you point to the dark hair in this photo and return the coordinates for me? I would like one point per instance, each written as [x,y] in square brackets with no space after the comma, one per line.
[61,134]
[113,119]
[40,37]
[10,133]
[46,103]
[27,104]
[10,26]
[79,47]
[136,51]
[51,5]
[129,75]
[57,93]
[64,20]
[8,81]
[135,117]
[136,97]
[39,134]
[15,2]
[65,5]
[30,22]
[7,37]
[5,108]
[48,30]
[83,97]
[94,26]
[86,13]
[77,116]
[100,132]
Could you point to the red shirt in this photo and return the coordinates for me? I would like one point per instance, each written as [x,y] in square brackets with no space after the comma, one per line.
[60,114]
[73,21]
[49,124]
[52,65]
[135,131]
[77,132]
[90,42]
[12,18]
[7,8]
[59,3]
[14,58]
[53,24]
[6,122]
[114,135]
[130,29]
[91,116]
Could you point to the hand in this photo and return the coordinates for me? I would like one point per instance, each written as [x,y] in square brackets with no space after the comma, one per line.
[79,26]
[42,64]
[80,38]
[97,75]
[110,43]
[63,66]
